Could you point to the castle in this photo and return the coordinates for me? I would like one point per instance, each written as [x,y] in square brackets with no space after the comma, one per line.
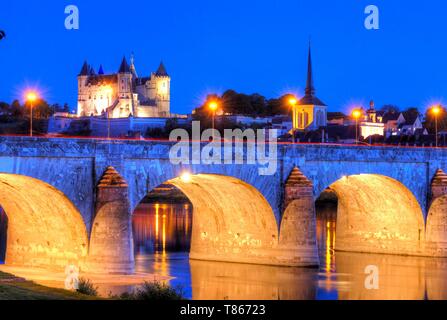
[123,94]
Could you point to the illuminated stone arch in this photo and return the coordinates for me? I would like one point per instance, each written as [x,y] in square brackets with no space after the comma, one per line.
[44,228]
[145,176]
[233,222]
[377,214]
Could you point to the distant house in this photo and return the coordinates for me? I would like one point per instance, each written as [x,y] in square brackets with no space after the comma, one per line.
[336,118]
[390,119]
[409,123]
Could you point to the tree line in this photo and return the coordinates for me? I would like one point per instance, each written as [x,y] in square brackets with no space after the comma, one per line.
[41,109]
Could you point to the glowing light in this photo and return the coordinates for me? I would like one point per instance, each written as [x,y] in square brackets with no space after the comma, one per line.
[108,90]
[436,110]
[213,105]
[186,177]
[31,96]
[157,208]
[356,113]
[293,101]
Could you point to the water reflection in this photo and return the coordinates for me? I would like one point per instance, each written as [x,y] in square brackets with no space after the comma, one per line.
[162,238]
[161,228]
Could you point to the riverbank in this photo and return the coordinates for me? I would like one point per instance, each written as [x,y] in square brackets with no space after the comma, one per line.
[107,284]
[16,288]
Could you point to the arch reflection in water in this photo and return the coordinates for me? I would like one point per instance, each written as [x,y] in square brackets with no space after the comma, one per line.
[161,228]
[231,281]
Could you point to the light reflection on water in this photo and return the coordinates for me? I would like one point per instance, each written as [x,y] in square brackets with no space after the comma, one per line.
[341,275]
[162,240]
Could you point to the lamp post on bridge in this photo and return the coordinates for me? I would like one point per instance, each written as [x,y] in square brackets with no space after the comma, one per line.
[31,97]
[356,114]
[293,102]
[436,110]
[213,106]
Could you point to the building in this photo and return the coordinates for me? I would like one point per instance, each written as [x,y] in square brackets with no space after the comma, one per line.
[390,120]
[124,93]
[409,122]
[337,119]
[310,113]
[372,124]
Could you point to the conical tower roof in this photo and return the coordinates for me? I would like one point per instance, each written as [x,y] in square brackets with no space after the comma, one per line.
[85,69]
[161,71]
[124,67]
[101,70]
[296,177]
[111,178]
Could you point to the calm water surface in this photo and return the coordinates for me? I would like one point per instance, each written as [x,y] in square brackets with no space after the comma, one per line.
[162,240]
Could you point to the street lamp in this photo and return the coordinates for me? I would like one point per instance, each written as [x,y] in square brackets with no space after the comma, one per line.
[356,114]
[213,106]
[31,97]
[109,92]
[436,111]
[293,102]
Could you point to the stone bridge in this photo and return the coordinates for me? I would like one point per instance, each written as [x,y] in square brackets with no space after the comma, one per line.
[71,201]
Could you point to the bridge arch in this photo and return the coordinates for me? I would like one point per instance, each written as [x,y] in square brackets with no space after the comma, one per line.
[377,214]
[233,222]
[45,229]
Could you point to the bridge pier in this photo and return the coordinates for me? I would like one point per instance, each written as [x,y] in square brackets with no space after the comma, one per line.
[436,226]
[298,226]
[111,240]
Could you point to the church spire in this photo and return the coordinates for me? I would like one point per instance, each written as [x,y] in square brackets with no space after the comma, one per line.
[310,89]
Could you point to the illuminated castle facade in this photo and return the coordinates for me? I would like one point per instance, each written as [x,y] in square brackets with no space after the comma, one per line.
[123,94]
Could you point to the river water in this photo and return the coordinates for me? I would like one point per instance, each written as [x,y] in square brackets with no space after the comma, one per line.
[162,240]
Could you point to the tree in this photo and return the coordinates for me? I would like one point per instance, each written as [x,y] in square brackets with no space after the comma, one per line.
[390,108]
[41,109]
[17,110]
[279,106]
[4,108]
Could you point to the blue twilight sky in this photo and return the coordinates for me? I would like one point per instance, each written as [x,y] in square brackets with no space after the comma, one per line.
[250,46]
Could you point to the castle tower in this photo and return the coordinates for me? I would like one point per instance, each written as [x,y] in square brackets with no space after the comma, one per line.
[310,113]
[125,92]
[162,90]
[82,98]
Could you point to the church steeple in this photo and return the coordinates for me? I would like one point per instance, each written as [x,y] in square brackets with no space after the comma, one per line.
[310,89]
[309,96]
